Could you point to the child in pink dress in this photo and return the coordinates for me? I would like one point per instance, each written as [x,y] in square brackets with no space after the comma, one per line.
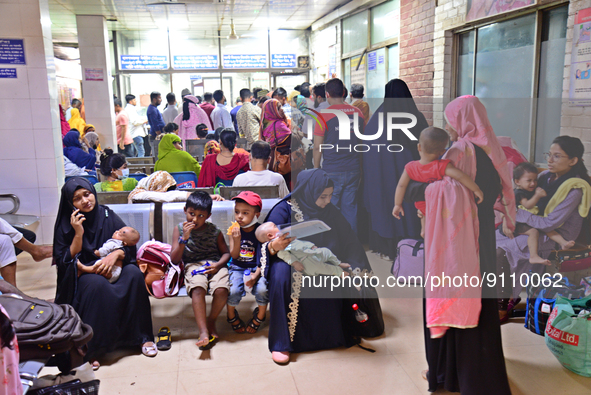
[432,144]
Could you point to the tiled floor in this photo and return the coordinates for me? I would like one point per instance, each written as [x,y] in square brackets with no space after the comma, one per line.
[242,364]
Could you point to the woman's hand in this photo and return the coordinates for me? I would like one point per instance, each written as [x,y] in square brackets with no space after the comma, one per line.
[76,220]
[506,231]
[280,243]
[107,263]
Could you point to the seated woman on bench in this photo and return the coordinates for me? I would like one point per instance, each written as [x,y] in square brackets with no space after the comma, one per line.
[114,167]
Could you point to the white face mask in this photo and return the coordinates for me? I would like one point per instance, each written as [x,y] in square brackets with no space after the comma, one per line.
[124,174]
[254,221]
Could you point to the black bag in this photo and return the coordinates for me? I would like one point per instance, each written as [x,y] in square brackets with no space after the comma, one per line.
[541,300]
[71,388]
[44,329]
[369,303]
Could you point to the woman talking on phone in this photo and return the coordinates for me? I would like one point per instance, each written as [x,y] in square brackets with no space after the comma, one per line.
[118,313]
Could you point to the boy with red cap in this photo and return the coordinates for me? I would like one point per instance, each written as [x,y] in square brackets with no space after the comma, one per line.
[243,247]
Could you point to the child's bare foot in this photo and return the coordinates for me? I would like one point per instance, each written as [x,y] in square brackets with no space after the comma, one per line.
[42,252]
[211,328]
[539,260]
[203,339]
[567,245]
[345,266]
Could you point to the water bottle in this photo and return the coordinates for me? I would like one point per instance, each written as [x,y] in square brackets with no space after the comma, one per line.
[360,316]
[247,277]
[201,269]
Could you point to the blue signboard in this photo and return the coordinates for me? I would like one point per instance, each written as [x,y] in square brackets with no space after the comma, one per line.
[12,51]
[372,58]
[245,61]
[184,62]
[7,73]
[144,62]
[381,59]
[283,60]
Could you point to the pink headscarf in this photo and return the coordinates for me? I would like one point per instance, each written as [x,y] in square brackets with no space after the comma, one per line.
[64,124]
[274,125]
[468,117]
[196,115]
[452,230]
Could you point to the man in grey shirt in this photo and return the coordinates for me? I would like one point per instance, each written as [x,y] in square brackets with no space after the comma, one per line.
[170,112]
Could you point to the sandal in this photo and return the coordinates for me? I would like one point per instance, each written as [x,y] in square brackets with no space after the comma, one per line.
[255,322]
[239,327]
[95,365]
[164,339]
[212,341]
[150,351]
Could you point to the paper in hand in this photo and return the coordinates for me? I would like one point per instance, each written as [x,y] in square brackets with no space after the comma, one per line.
[304,229]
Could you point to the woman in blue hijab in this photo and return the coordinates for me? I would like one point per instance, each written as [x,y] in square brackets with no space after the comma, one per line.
[73,151]
[313,319]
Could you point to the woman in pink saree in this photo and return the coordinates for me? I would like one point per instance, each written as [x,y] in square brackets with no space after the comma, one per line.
[462,329]
[191,116]
[274,124]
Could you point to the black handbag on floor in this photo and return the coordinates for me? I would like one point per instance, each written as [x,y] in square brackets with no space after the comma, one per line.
[71,388]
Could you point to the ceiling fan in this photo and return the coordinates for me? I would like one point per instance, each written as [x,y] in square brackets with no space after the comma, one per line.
[166,2]
[232,36]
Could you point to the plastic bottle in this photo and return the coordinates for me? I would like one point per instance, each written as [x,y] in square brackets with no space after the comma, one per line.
[247,277]
[201,269]
[360,316]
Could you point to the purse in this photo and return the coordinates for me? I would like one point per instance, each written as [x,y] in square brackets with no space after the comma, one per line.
[162,277]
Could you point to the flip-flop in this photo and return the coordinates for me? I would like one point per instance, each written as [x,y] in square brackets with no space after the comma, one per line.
[212,341]
[164,339]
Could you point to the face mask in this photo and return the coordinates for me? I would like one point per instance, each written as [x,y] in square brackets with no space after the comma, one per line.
[254,221]
[124,174]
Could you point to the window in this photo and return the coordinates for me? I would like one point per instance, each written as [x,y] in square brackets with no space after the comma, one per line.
[496,63]
[385,21]
[355,32]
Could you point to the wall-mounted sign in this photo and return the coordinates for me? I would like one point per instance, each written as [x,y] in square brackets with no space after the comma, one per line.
[245,61]
[12,51]
[197,78]
[283,60]
[144,62]
[381,59]
[372,61]
[7,73]
[580,65]
[184,62]
[332,60]
[94,74]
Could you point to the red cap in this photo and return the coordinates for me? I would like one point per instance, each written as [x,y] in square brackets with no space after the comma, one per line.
[250,198]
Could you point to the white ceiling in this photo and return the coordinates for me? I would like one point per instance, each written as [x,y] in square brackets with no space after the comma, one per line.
[196,15]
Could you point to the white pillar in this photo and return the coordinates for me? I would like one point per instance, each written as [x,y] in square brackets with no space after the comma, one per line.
[93,41]
[31,158]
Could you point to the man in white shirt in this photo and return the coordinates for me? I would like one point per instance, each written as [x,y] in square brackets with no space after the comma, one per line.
[170,112]
[220,116]
[136,125]
[260,153]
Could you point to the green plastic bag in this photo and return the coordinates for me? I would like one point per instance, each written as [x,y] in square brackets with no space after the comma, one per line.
[568,334]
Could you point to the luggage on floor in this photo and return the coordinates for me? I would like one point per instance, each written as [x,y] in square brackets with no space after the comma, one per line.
[541,298]
[71,388]
[409,263]
[568,334]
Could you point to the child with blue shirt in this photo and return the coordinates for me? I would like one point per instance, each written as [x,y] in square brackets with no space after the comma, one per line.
[243,247]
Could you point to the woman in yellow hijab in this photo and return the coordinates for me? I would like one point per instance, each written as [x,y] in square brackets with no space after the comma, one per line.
[172,158]
[76,121]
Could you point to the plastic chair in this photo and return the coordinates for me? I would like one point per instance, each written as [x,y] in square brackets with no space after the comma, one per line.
[185,179]
[138,176]
[93,180]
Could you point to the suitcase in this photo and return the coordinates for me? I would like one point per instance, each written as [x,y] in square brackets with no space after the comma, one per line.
[409,263]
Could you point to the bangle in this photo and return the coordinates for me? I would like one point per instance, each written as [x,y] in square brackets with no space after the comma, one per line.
[182,241]
[271,249]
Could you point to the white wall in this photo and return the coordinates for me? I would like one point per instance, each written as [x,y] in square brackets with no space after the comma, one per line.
[31,161]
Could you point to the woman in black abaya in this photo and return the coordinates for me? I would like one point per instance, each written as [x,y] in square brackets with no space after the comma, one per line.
[381,171]
[118,313]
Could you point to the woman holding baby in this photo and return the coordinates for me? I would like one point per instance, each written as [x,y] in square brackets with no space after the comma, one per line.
[118,313]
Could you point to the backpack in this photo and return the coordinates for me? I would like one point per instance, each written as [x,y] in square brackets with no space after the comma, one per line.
[44,329]
[163,278]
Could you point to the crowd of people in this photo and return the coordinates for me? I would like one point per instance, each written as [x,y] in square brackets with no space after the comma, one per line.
[426,180]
